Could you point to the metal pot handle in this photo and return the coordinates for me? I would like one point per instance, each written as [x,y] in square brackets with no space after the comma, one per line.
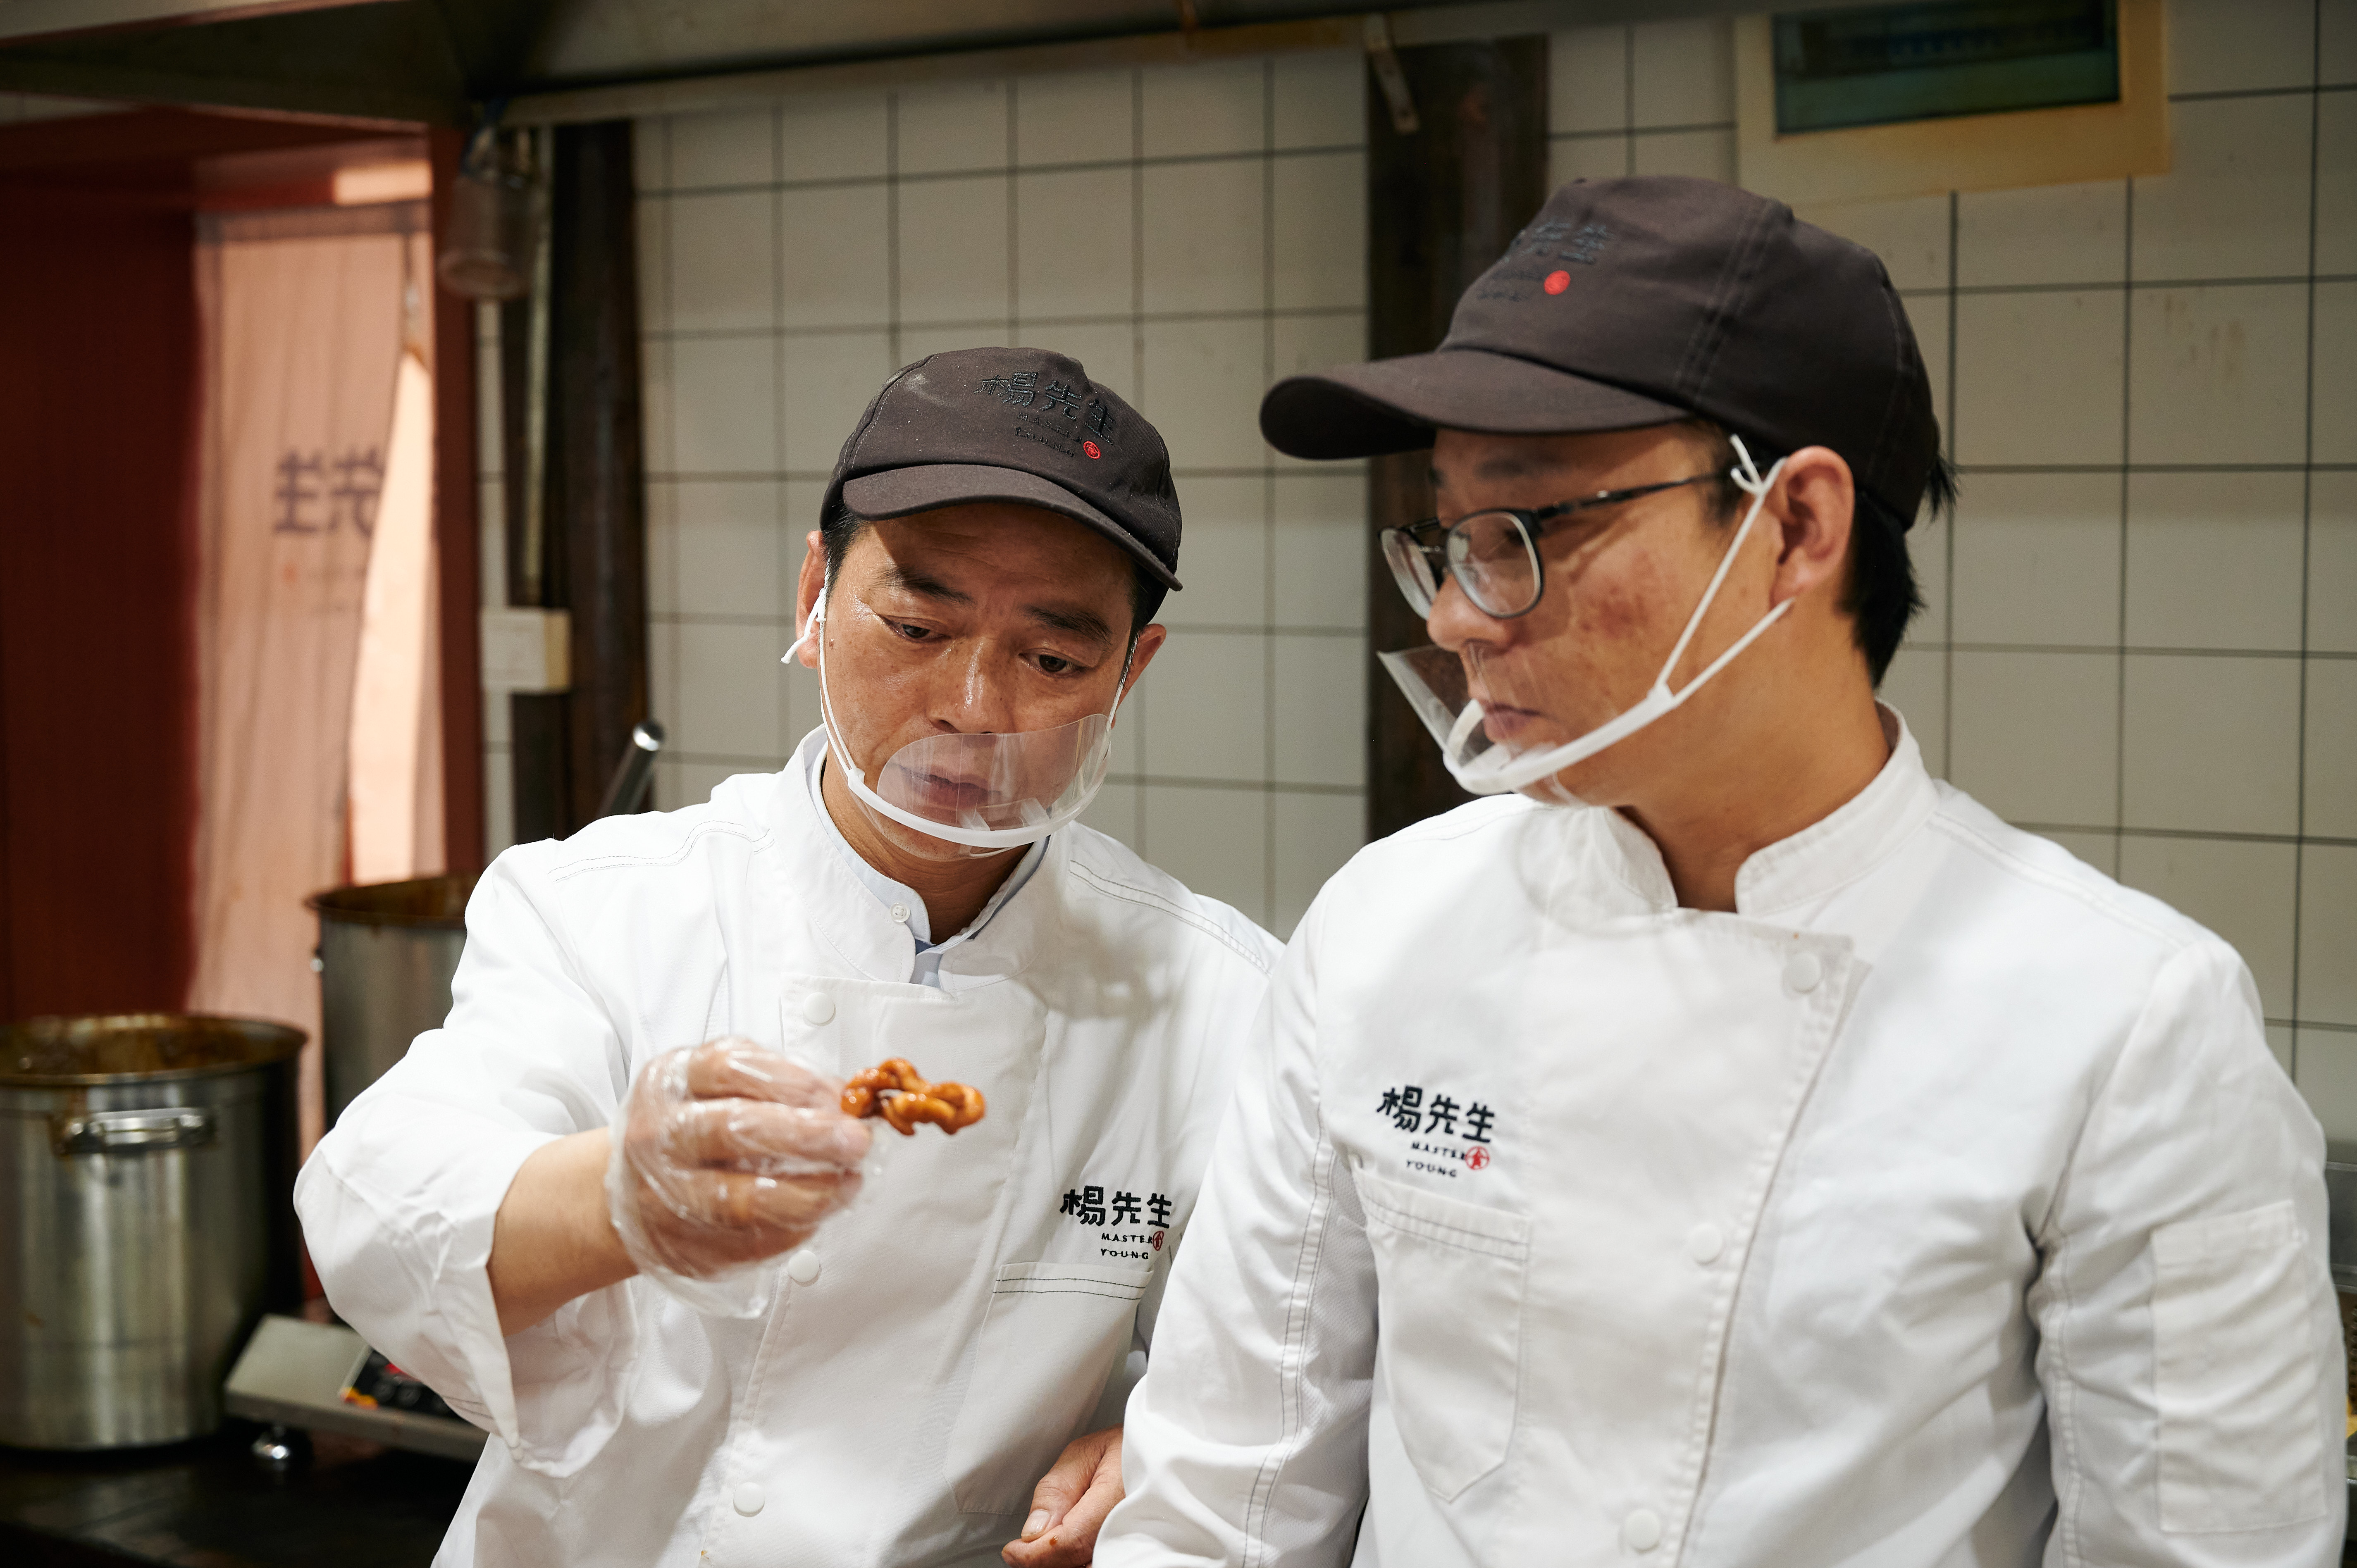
[132,1132]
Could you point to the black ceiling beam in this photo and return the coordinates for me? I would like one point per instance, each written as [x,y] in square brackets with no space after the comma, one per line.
[390,63]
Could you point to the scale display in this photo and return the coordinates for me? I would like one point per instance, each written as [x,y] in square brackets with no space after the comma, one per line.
[381,1385]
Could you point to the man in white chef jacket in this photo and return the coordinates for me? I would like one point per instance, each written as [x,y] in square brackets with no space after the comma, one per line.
[705,1326]
[1725,1145]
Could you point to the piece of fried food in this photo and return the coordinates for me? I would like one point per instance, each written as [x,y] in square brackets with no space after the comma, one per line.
[898,1092]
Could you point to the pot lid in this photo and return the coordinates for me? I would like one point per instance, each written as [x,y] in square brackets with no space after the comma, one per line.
[89,1050]
[438,902]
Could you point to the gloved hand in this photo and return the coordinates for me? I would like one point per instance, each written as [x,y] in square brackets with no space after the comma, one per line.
[727,1153]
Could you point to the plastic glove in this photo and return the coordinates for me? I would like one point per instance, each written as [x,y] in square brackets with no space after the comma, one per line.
[727,1154]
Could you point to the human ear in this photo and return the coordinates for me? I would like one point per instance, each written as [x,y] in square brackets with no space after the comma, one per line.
[1149,642]
[1813,505]
[806,591]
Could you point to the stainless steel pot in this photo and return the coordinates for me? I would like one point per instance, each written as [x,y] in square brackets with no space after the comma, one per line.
[146,1181]
[387,951]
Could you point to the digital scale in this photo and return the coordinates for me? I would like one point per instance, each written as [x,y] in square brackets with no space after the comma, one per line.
[323,1377]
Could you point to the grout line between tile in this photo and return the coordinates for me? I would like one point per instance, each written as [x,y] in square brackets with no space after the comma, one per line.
[1233,786]
[1948,586]
[2115,285]
[744,476]
[1628,98]
[1137,368]
[1268,491]
[861,327]
[2224,93]
[1083,166]
[2156,467]
[2127,450]
[670,695]
[892,223]
[1014,226]
[787,577]
[2139,650]
[2307,515]
[2201,835]
[1635,129]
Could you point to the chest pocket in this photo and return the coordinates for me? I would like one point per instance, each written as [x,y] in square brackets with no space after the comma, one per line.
[1052,1337]
[1448,1277]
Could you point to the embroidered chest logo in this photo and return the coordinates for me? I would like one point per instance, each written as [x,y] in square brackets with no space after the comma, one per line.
[1130,1228]
[1446,1138]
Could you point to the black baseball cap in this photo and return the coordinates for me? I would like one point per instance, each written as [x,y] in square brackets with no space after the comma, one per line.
[1013,425]
[1643,301]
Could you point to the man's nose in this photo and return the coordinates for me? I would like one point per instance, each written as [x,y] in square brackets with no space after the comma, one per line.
[979,696]
[1454,620]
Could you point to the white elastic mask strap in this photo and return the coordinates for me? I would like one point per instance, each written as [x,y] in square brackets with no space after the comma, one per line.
[1749,480]
[810,627]
[851,771]
[809,634]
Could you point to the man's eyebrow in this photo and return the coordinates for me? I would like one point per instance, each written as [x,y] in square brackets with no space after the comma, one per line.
[915,581]
[1079,621]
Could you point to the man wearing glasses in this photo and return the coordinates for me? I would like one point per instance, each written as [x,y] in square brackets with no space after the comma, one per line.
[1724,1145]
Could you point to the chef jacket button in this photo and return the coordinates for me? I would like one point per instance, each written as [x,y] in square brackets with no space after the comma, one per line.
[900,914]
[1802,972]
[1704,1244]
[818,1007]
[803,1267]
[1642,1531]
[749,1499]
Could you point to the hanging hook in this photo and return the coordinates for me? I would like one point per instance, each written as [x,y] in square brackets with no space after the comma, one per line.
[1389,76]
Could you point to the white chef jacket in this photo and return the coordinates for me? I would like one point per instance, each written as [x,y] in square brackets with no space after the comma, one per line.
[943,1339]
[1942,1204]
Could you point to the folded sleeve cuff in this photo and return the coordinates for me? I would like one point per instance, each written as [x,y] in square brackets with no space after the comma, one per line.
[412,1273]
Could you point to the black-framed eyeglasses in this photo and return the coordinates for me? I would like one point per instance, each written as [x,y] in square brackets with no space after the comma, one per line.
[1494,554]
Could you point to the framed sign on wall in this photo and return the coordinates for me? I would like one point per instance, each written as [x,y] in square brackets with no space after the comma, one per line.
[1862,102]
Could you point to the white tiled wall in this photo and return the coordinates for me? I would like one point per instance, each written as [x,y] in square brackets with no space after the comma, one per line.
[1189,235]
[2142,639]
[2142,636]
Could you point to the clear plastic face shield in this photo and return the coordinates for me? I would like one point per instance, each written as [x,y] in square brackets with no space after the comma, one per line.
[953,796]
[1503,723]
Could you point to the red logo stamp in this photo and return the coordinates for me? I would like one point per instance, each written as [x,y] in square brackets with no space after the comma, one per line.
[1557,281]
[1092,449]
[1156,1239]
[1476,1156]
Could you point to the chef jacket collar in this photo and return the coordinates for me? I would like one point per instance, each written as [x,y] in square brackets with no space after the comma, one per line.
[1811,865]
[892,895]
[858,924]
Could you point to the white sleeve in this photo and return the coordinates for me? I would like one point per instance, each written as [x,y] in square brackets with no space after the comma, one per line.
[1247,1442]
[2190,1344]
[398,1200]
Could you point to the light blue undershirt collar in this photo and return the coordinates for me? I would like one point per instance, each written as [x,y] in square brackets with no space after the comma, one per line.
[902,902]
